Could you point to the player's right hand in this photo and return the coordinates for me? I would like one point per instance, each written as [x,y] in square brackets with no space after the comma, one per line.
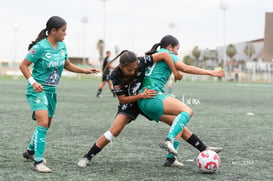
[37,87]
[148,93]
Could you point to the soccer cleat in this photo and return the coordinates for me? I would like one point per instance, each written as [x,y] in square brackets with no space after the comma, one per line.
[28,156]
[83,162]
[168,146]
[98,96]
[215,149]
[172,163]
[41,167]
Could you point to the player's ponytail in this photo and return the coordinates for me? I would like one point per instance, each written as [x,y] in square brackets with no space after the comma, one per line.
[164,43]
[55,22]
[126,57]
[114,59]
[153,49]
[41,36]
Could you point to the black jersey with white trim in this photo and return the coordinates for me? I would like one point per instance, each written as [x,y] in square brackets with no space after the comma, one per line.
[134,87]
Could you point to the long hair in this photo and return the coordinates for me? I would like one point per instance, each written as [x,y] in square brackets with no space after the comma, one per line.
[55,22]
[126,57]
[164,42]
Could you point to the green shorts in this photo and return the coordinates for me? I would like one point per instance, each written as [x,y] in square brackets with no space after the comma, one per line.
[153,108]
[42,101]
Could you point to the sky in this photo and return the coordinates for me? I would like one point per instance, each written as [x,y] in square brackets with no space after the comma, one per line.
[134,25]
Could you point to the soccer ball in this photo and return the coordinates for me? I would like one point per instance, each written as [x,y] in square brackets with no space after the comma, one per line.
[208,161]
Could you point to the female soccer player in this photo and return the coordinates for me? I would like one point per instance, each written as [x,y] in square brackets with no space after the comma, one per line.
[49,57]
[106,75]
[162,104]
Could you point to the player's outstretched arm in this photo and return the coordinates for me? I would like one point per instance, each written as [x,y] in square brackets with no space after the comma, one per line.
[198,71]
[73,68]
[146,94]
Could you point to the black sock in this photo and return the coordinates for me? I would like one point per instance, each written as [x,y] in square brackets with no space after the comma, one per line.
[99,91]
[92,152]
[196,142]
[31,152]
[113,91]
[36,163]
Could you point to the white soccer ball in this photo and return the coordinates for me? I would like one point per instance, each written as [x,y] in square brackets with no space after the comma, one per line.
[208,161]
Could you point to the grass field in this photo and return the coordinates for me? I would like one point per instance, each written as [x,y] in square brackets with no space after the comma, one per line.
[220,119]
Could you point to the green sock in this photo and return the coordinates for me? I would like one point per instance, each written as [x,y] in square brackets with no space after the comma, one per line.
[40,143]
[178,124]
[176,144]
[31,143]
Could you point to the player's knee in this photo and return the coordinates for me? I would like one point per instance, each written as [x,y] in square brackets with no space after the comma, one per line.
[109,136]
[190,112]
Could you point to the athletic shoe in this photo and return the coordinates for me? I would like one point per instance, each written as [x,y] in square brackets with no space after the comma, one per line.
[28,156]
[172,163]
[83,162]
[168,146]
[41,167]
[98,96]
[215,149]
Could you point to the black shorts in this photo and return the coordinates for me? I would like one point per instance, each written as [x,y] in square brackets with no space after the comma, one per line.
[131,110]
[106,77]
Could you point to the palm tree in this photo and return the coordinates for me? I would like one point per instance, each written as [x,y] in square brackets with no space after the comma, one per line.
[196,54]
[231,51]
[188,60]
[206,56]
[100,47]
[249,50]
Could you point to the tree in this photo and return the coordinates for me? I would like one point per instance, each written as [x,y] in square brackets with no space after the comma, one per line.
[188,60]
[100,47]
[231,51]
[196,54]
[249,50]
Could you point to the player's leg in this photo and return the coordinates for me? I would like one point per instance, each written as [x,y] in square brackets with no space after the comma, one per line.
[110,84]
[188,136]
[43,106]
[40,140]
[196,142]
[119,123]
[182,112]
[100,88]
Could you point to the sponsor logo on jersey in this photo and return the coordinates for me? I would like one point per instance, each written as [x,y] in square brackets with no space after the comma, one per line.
[47,55]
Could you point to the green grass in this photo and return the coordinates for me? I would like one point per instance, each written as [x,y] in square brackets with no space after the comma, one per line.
[219,120]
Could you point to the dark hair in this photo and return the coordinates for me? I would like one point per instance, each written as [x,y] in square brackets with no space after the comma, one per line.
[55,22]
[164,42]
[126,57]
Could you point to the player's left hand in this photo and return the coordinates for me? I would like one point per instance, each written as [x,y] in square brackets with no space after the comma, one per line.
[217,73]
[92,71]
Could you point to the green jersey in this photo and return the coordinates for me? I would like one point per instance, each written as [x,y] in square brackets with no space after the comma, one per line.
[48,64]
[157,75]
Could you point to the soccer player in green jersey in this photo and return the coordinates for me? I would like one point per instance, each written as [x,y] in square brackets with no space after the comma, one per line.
[49,57]
[163,104]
